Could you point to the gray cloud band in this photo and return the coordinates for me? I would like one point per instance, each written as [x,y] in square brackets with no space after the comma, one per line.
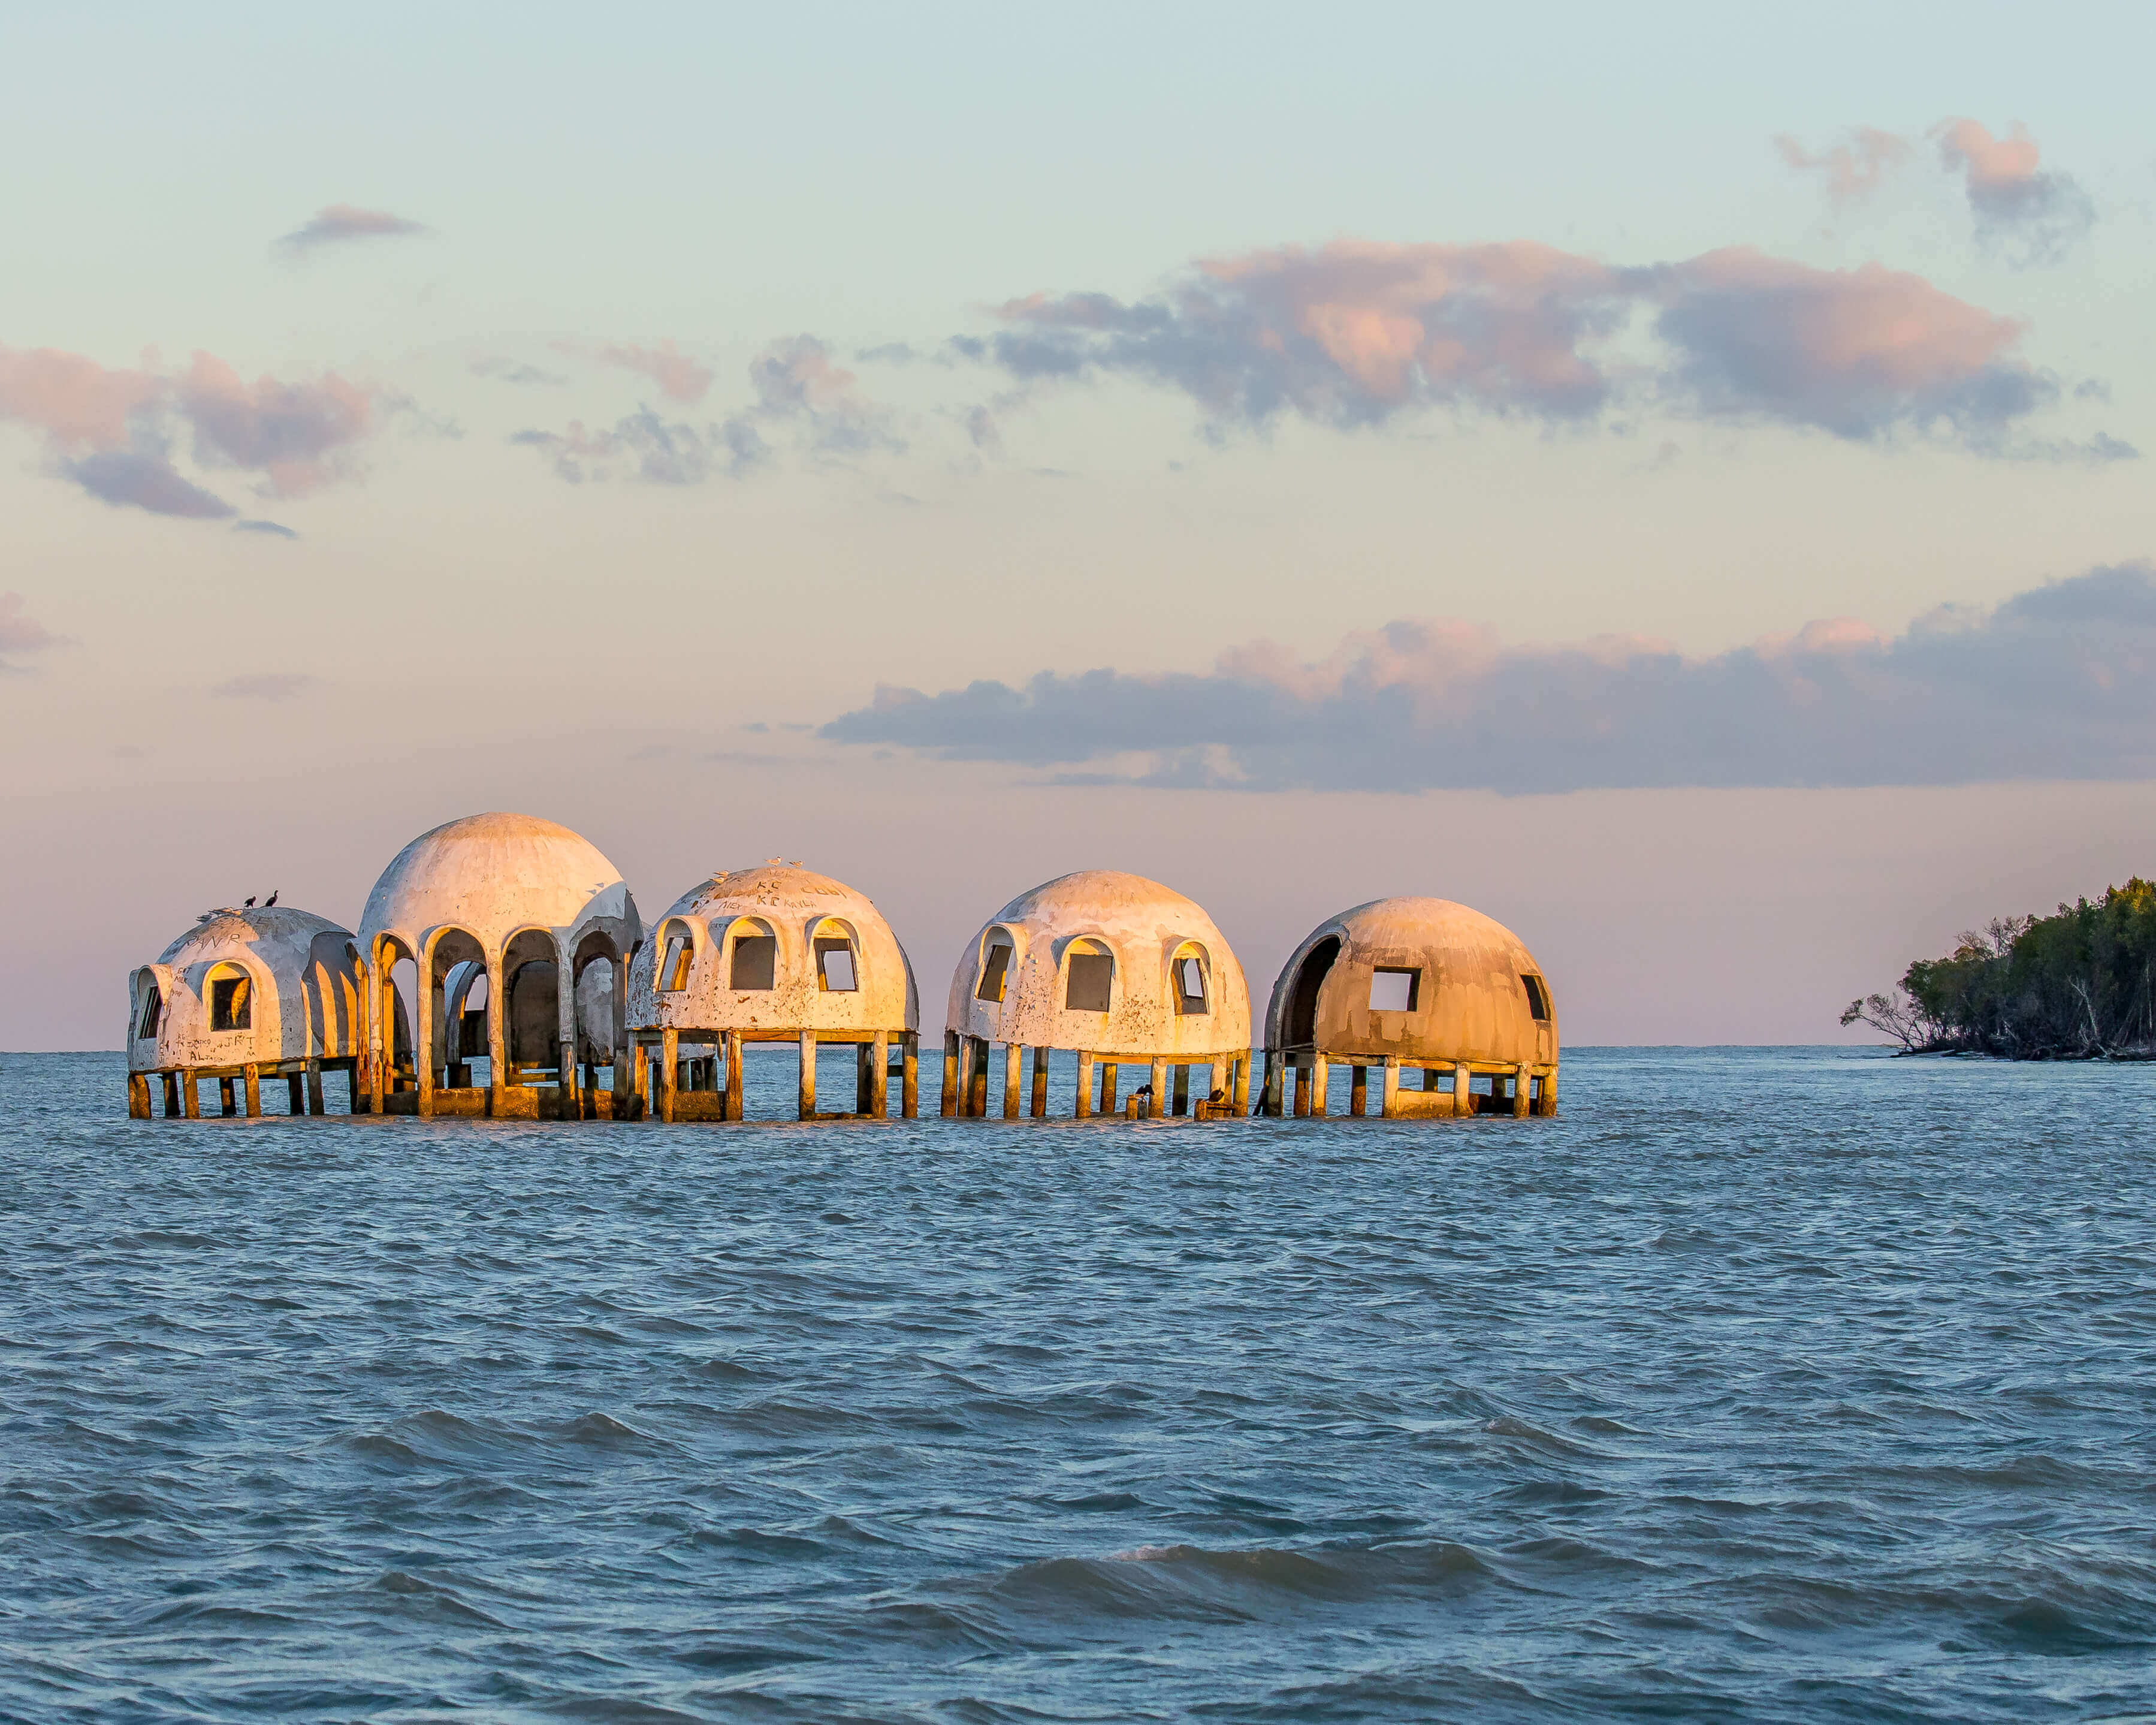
[2059,682]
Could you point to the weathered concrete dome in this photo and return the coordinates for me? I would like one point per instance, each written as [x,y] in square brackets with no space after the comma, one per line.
[1051,989]
[492,875]
[774,948]
[248,986]
[1419,978]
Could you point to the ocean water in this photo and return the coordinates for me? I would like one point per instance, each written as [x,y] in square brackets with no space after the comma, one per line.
[1761,1384]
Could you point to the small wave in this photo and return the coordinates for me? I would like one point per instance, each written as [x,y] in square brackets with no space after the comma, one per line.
[433,1598]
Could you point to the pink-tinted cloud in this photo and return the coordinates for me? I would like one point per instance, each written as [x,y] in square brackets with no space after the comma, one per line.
[1356,333]
[339,223]
[678,377]
[20,632]
[2013,199]
[298,436]
[112,432]
[1854,166]
[2058,680]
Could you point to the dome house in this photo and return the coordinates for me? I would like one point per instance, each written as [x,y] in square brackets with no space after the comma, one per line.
[1406,985]
[1120,970]
[779,954]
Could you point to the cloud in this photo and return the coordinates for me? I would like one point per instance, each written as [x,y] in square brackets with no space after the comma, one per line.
[1853,167]
[1358,332]
[2059,682]
[20,632]
[111,432]
[504,370]
[2035,214]
[800,394]
[337,223]
[678,377]
[275,529]
[265,685]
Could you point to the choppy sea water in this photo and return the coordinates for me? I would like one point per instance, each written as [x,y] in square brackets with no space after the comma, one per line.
[1782,1384]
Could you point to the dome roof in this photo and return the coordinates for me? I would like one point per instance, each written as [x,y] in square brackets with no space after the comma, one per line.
[1143,927]
[218,933]
[303,993]
[492,875]
[1472,990]
[772,887]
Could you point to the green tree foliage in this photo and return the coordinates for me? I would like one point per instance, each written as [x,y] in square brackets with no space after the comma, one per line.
[2076,985]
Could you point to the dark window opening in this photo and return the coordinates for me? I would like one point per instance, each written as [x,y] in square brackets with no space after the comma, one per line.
[153,1012]
[994,974]
[834,966]
[1537,997]
[231,1007]
[1190,986]
[755,961]
[1090,974]
[1393,990]
[674,968]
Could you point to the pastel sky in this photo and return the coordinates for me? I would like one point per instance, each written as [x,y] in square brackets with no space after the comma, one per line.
[1678,479]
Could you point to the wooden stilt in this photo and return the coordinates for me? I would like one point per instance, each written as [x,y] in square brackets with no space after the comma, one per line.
[807,1075]
[909,1094]
[880,1065]
[1039,1110]
[1358,1091]
[1387,1106]
[1156,1090]
[1181,1109]
[1085,1109]
[736,1078]
[1014,1078]
[670,1071]
[317,1103]
[950,1097]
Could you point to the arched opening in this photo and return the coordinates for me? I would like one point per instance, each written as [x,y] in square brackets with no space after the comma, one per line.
[1538,998]
[229,992]
[752,956]
[1090,977]
[1302,1027]
[151,1012]
[592,997]
[1189,983]
[462,1000]
[532,1025]
[997,955]
[837,958]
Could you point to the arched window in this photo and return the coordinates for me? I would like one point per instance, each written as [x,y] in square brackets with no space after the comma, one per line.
[1187,973]
[231,999]
[995,967]
[674,959]
[1091,982]
[153,1011]
[755,958]
[1539,999]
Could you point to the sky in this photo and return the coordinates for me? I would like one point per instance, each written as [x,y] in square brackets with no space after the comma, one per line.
[1677,480]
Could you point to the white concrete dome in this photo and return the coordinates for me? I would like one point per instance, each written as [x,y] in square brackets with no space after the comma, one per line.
[1417,979]
[242,987]
[1052,989]
[493,874]
[772,949]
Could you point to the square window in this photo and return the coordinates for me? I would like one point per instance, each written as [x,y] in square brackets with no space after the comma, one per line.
[230,1007]
[834,966]
[1394,990]
[1091,975]
[755,961]
[995,971]
[674,968]
[1190,986]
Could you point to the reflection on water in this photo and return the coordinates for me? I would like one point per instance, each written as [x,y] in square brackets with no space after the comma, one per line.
[1787,1385]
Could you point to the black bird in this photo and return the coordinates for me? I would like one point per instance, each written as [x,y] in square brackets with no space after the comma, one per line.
[271,900]
[247,903]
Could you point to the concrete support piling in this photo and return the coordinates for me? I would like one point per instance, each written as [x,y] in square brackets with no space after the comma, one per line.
[1039,1101]
[1014,1078]
[950,1098]
[1085,1109]
[807,1075]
